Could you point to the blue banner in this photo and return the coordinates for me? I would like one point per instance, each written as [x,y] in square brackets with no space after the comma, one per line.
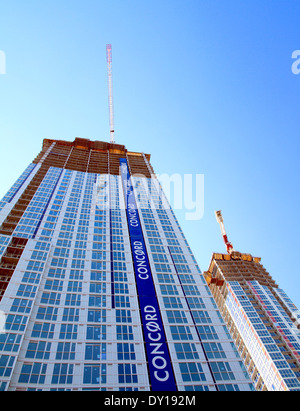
[158,356]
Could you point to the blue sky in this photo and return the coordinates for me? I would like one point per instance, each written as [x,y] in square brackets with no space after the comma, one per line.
[209,82]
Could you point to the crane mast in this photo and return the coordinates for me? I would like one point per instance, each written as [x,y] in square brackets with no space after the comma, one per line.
[219,218]
[110,92]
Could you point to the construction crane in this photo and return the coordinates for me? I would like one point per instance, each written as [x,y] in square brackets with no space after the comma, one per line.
[219,218]
[110,92]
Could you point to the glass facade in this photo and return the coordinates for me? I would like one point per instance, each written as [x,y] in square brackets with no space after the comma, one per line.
[260,317]
[75,315]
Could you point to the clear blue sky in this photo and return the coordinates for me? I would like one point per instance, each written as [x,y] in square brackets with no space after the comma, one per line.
[207,81]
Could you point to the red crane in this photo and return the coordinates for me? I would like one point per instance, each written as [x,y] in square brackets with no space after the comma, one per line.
[219,218]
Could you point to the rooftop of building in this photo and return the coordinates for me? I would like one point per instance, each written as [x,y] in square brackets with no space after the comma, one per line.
[96,145]
[237,267]
[92,156]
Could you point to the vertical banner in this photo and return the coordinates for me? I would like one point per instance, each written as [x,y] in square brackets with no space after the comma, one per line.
[158,356]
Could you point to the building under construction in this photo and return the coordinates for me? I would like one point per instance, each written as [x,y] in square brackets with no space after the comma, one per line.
[260,317]
[100,290]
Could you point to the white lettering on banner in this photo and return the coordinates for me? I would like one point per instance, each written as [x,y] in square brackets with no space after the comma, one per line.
[165,378]
[133,221]
[158,362]
[160,367]
[140,258]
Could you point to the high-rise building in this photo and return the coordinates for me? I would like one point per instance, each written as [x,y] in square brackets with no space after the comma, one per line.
[99,287]
[261,319]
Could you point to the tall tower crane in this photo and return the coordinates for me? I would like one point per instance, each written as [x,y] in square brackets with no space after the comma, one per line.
[219,218]
[110,92]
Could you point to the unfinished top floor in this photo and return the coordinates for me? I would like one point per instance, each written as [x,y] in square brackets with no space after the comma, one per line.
[92,156]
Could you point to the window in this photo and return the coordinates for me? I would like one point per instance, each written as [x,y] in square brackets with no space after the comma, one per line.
[195,302]
[6,364]
[70,314]
[121,288]
[157,249]
[95,352]
[122,301]
[33,278]
[123,316]
[176,317]
[181,333]
[177,250]
[96,316]
[68,332]
[33,373]
[94,374]
[15,322]
[9,342]
[51,298]
[222,371]
[21,305]
[98,276]
[125,351]
[64,243]
[179,259]
[65,351]
[165,278]
[172,302]
[172,241]
[77,264]
[191,290]
[26,291]
[201,317]
[102,246]
[97,301]
[118,255]
[157,258]
[43,330]
[214,350]
[124,332]
[55,285]
[186,351]
[97,288]
[76,275]
[162,268]
[196,388]
[39,350]
[62,374]
[98,265]
[207,333]
[192,372]
[61,252]
[79,253]
[167,289]
[47,313]
[73,299]
[127,374]
[96,333]
[183,268]
[187,279]
[98,255]
[228,387]
[59,262]
[56,273]
[119,266]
